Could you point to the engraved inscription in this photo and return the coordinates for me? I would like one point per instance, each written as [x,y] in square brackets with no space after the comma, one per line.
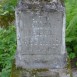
[42,34]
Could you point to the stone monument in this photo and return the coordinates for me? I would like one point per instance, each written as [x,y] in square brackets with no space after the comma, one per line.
[41,37]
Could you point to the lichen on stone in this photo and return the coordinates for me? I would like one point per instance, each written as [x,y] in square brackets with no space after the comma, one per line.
[43,5]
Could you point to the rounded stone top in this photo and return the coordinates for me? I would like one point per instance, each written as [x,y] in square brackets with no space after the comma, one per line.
[42,1]
[45,5]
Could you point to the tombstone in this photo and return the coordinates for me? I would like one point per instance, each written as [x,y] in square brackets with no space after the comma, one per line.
[41,36]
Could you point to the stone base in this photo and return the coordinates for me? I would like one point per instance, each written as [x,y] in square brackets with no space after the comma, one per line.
[40,73]
[19,72]
[48,74]
[54,73]
[60,73]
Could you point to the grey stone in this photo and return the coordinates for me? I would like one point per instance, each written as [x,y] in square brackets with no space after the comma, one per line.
[40,36]
[48,74]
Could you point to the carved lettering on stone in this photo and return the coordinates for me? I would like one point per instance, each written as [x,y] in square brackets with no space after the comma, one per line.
[40,37]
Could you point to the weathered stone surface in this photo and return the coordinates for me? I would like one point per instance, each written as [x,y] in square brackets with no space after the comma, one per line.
[48,74]
[40,73]
[40,36]
[42,61]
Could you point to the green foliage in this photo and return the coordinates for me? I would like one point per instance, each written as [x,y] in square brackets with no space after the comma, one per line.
[7,49]
[7,9]
[71,28]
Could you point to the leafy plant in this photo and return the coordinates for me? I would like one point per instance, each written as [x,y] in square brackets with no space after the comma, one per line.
[71,28]
[7,49]
[7,9]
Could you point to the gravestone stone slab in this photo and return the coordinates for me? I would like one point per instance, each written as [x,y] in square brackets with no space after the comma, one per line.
[40,35]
